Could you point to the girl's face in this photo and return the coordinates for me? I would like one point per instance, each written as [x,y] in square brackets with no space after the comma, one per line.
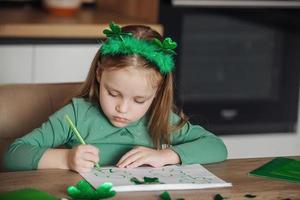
[126,94]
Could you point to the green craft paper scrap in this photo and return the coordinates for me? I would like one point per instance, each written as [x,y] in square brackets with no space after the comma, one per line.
[165,196]
[290,169]
[147,180]
[27,194]
[280,168]
[151,180]
[219,197]
[249,196]
[136,181]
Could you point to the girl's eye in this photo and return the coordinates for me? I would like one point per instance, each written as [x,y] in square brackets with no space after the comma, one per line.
[112,94]
[139,102]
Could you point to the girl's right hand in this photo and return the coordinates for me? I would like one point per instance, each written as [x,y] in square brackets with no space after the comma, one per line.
[82,158]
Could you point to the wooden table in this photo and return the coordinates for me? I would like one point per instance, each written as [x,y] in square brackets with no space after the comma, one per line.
[235,171]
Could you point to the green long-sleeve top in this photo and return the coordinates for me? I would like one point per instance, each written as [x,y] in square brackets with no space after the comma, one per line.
[192,143]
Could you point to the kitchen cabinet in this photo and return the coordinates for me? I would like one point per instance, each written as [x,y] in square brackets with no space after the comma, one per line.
[45,63]
[16,63]
[62,63]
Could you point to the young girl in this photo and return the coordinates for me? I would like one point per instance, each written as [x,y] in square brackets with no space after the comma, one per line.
[124,112]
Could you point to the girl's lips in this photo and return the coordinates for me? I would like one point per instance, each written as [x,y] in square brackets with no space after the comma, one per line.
[120,119]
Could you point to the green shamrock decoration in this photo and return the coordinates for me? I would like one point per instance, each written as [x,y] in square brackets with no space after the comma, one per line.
[115,31]
[83,190]
[155,51]
[147,180]
[167,45]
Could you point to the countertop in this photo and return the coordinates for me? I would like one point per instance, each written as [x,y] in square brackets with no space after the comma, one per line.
[88,23]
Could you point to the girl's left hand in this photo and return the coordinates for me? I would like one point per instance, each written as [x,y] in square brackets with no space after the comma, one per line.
[147,156]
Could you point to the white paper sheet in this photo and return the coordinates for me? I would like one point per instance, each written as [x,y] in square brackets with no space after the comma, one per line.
[170,177]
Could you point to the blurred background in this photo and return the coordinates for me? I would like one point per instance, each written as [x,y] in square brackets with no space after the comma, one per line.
[237,65]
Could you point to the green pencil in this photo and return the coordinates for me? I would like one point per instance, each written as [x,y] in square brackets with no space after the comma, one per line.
[73,127]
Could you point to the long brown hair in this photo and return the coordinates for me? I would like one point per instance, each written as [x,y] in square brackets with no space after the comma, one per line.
[163,104]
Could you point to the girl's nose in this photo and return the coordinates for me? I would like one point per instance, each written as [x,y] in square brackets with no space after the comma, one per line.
[122,107]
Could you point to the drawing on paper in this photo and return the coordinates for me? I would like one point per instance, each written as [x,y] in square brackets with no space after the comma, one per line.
[112,173]
[170,177]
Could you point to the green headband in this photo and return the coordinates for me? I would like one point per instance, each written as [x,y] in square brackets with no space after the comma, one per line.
[155,51]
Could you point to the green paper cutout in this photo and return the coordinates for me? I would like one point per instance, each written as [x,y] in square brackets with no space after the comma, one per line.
[218,197]
[83,190]
[280,168]
[147,180]
[136,181]
[151,180]
[249,196]
[165,196]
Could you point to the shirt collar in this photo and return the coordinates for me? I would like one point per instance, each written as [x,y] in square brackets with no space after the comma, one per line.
[136,128]
[139,127]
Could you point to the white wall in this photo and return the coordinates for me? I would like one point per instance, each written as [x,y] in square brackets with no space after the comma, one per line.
[264,145]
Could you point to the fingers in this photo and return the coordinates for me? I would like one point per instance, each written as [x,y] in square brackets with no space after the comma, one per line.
[146,156]
[89,148]
[85,167]
[91,154]
[130,159]
[138,162]
[82,158]
[137,157]
[87,164]
[90,157]
[128,154]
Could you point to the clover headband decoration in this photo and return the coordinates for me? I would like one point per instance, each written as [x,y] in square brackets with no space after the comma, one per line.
[154,51]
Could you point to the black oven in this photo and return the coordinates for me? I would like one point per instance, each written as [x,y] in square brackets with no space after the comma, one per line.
[237,67]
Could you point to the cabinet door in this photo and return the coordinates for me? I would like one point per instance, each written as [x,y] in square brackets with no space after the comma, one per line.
[62,63]
[15,63]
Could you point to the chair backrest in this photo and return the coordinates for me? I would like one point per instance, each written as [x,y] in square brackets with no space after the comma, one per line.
[24,107]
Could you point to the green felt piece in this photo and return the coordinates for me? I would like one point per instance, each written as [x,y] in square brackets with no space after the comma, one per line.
[249,196]
[83,190]
[165,196]
[136,181]
[26,194]
[280,168]
[218,197]
[151,180]
[105,191]
[147,180]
